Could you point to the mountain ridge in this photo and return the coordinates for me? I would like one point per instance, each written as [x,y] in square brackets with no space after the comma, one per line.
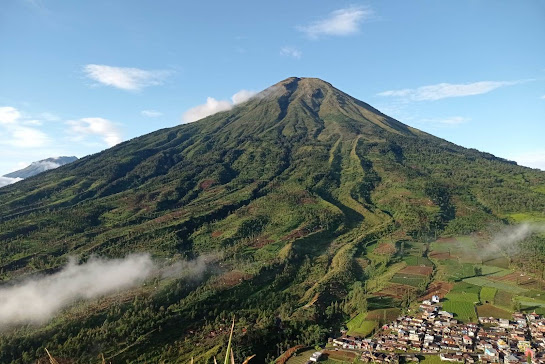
[41,166]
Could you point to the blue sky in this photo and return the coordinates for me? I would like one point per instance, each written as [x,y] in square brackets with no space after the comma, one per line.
[80,76]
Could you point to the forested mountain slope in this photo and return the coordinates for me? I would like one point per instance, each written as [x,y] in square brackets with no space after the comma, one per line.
[284,190]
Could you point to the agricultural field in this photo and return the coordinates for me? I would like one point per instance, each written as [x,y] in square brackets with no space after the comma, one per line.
[487,294]
[394,290]
[504,299]
[414,280]
[360,326]
[301,357]
[500,285]
[430,359]
[488,310]
[417,261]
[464,311]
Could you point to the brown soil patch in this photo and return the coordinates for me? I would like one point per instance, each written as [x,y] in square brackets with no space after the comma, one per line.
[385,249]
[441,256]
[261,241]
[518,278]
[437,288]
[394,290]
[216,233]
[417,270]
[206,184]
[296,234]
[231,279]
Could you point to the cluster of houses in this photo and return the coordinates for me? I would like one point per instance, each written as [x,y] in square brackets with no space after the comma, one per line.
[433,331]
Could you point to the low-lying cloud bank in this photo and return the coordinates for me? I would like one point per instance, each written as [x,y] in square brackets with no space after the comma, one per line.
[4,181]
[37,300]
[509,238]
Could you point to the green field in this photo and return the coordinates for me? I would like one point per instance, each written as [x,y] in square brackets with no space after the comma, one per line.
[417,260]
[360,326]
[504,299]
[488,294]
[430,359]
[464,311]
[464,292]
[301,357]
[484,282]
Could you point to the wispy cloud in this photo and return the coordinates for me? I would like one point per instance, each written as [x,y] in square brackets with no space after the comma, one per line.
[291,52]
[446,90]
[151,113]
[103,128]
[340,22]
[15,132]
[131,79]
[213,106]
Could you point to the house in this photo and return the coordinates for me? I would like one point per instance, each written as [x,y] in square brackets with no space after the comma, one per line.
[446,314]
[491,354]
[511,359]
[316,356]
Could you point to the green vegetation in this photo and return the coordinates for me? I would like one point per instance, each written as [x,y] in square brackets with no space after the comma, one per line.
[488,294]
[462,310]
[359,326]
[303,191]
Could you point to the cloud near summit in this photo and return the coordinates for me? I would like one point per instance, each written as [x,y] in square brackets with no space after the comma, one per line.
[213,106]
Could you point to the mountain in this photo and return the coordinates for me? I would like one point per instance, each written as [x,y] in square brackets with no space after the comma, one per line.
[40,166]
[288,194]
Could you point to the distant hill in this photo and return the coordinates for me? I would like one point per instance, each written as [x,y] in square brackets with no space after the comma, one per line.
[40,166]
[297,194]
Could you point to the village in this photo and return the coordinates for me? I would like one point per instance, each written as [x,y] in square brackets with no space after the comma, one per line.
[433,331]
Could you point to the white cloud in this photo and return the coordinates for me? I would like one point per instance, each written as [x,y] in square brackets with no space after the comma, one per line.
[38,299]
[103,128]
[213,106]
[125,78]
[445,90]
[4,181]
[340,22]
[151,113]
[15,134]
[542,97]
[9,115]
[25,137]
[532,159]
[291,52]
[242,96]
